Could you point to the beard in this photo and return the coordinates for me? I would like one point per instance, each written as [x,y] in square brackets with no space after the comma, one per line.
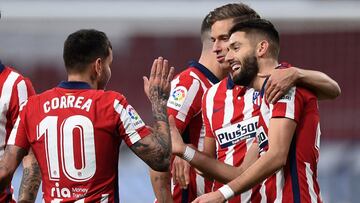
[248,72]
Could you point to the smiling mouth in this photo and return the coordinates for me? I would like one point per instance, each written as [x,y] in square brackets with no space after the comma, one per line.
[235,66]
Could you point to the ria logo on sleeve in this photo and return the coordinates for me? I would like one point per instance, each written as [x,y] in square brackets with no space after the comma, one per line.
[236,132]
[177,97]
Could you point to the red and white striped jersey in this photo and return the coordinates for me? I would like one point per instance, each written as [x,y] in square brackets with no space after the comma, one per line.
[75,133]
[14,90]
[184,104]
[231,118]
[297,181]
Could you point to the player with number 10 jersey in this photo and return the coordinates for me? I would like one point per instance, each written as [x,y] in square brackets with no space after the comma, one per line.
[75,133]
[75,129]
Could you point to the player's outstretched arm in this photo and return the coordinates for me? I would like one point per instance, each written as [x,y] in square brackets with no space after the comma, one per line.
[210,167]
[281,80]
[31,179]
[155,149]
[280,135]
[9,162]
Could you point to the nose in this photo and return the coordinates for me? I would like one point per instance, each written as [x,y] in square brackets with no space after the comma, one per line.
[229,56]
[216,47]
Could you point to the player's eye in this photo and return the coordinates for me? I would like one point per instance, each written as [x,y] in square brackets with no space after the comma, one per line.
[225,38]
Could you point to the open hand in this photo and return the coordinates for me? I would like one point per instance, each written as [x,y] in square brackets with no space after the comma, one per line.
[157,86]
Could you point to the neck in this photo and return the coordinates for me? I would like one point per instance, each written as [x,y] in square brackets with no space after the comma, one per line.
[78,77]
[207,59]
[265,68]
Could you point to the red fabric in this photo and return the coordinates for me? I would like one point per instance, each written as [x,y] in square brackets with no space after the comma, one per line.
[75,135]
[301,106]
[14,89]
[231,119]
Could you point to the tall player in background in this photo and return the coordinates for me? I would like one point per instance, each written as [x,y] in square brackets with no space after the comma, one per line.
[75,129]
[15,89]
[184,104]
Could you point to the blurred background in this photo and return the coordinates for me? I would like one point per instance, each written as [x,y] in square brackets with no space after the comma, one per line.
[322,35]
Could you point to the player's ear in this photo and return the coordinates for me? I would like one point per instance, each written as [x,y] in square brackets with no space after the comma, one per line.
[98,67]
[262,47]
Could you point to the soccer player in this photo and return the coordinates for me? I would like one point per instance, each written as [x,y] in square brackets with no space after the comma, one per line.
[76,128]
[226,104]
[184,104]
[15,89]
[288,132]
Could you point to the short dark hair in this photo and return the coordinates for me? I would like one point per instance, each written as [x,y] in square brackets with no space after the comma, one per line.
[263,27]
[84,47]
[205,28]
[237,11]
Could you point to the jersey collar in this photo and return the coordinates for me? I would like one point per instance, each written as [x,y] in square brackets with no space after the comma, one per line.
[2,67]
[262,91]
[205,71]
[230,83]
[74,85]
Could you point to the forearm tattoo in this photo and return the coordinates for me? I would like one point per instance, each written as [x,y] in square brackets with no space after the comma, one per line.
[159,99]
[164,190]
[155,152]
[30,183]
[8,163]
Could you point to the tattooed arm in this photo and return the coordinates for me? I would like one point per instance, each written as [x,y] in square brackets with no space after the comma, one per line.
[160,182]
[31,179]
[8,164]
[155,149]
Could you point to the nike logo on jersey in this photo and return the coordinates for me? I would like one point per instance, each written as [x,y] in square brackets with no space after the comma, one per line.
[237,132]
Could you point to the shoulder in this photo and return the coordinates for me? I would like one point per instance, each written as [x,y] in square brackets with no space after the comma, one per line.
[186,82]
[304,92]
[187,76]
[115,99]
[15,72]
[40,97]
[113,94]
[15,76]
[220,86]
[297,92]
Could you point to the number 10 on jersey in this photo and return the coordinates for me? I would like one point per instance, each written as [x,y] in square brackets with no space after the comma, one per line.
[49,128]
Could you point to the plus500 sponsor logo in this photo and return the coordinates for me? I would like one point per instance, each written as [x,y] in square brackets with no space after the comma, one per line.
[239,131]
